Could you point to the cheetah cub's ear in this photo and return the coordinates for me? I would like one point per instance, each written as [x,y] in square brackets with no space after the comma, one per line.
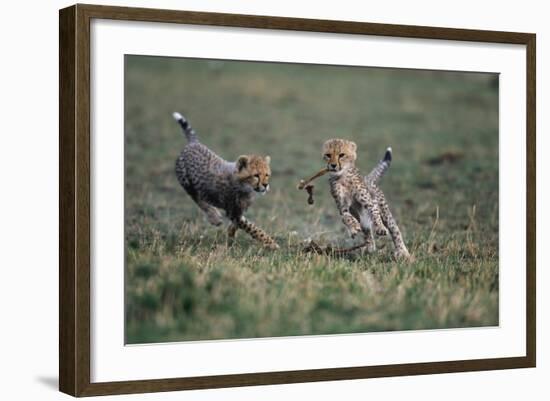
[352,149]
[242,162]
[268,159]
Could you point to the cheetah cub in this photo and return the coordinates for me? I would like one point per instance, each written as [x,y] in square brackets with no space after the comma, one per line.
[359,200]
[214,183]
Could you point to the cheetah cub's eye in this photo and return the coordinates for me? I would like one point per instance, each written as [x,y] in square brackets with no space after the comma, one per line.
[327,156]
[342,155]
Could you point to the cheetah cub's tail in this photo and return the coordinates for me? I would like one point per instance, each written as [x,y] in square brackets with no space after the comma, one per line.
[189,132]
[383,165]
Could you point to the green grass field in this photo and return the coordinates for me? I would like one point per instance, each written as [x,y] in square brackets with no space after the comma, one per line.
[184,283]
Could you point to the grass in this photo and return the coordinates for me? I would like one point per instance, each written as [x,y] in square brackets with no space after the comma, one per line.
[184,283]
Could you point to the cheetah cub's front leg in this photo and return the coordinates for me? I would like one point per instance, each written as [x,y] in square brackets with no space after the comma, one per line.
[231,233]
[213,215]
[253,230]
[365,200]
[343,205]
[350,222]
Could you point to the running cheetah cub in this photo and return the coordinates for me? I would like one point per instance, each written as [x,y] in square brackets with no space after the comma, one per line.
[359,200]
[214,183]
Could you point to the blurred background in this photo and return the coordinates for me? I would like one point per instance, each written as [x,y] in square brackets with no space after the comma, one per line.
[183,283]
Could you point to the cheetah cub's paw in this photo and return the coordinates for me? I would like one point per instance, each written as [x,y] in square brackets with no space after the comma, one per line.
[272,246]
[402,255]
[215,220]
[381,231]
[354,231]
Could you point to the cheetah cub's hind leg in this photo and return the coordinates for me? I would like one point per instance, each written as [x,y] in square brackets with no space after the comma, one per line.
[366,226]
[401,252]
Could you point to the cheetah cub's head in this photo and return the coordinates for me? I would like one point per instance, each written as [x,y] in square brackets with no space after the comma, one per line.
[254,171]
[339,154]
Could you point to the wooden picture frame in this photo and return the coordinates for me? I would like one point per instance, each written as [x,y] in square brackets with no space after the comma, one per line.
[75,208]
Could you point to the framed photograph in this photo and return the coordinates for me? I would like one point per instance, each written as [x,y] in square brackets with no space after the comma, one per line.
[250,200]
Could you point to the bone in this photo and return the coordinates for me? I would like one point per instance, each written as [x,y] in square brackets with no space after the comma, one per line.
[304,183]
[309,189]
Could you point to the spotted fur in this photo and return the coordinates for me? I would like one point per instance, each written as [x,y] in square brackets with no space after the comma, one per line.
[216,184]
[359,200]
